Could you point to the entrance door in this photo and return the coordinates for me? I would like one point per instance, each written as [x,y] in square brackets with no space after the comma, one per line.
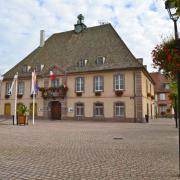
[7,109]
[56,110]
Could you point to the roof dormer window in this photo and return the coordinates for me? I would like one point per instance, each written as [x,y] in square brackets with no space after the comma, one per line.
[25,69]
[100,60]
[82,62]
[38,68]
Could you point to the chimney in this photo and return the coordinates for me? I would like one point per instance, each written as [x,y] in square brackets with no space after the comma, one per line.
[42,38]
[140,60]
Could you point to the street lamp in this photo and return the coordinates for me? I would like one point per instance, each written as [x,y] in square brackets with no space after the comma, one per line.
[172,9]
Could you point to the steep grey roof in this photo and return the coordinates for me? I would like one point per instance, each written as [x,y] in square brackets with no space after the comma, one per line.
[67,48]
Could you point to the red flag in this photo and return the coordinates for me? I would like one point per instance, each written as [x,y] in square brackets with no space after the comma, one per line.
[52,75]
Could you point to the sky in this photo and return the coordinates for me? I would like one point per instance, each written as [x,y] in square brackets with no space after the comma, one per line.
[142,24]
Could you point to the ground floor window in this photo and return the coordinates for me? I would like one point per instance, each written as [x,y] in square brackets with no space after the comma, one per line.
[98,109]
[79,109]
[119,109]
[162,109]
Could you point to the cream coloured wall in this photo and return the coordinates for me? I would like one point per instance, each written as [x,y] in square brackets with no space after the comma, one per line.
[108,96]
[146,84]
[26,99]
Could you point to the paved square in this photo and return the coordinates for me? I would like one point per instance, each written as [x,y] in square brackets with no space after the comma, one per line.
[86,150]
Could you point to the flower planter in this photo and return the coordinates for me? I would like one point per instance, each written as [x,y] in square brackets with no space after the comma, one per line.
[119,93]
[54,92]
[22,120]
[97,93]
[78,93]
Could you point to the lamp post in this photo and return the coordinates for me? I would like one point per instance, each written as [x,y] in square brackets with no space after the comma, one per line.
[171,8]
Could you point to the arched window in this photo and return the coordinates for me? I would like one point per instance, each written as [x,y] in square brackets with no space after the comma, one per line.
[119,109]
[79,109]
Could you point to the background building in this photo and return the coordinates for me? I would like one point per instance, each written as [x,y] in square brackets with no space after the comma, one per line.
[162,90]
[96,78]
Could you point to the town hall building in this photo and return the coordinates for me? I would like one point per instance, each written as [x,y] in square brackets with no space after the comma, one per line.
[95,77]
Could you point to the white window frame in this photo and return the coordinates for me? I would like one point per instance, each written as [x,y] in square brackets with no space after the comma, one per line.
[162,96]
[162,109]
[38,68]
[119,109]
[79,109]
[100,60]
[20,88]
[55,83]
[82,63]
[98,83]
[8,86]
[25,68]
[79,84]
[119,83]
[98,109]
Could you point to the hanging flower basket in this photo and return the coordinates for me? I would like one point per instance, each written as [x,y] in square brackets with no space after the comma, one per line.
[45,94]
[119,93]
[54,92]
[166,57]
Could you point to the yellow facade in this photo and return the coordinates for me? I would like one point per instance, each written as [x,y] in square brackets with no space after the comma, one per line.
[88,98]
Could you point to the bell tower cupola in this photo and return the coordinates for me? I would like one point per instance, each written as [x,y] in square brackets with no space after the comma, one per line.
[80,26]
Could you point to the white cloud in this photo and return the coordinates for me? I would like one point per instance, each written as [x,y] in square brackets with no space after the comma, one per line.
[138,23]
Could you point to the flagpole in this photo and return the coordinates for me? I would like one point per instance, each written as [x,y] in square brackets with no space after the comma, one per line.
[33,92]
[33,105]
[15,102]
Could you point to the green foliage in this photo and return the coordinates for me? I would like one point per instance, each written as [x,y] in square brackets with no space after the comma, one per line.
[173,92]
[166,57]
[22,110]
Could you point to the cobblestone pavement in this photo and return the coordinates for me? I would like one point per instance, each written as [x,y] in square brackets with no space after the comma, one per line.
[52,150]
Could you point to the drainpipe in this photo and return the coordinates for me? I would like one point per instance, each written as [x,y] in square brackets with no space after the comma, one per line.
[135,118]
